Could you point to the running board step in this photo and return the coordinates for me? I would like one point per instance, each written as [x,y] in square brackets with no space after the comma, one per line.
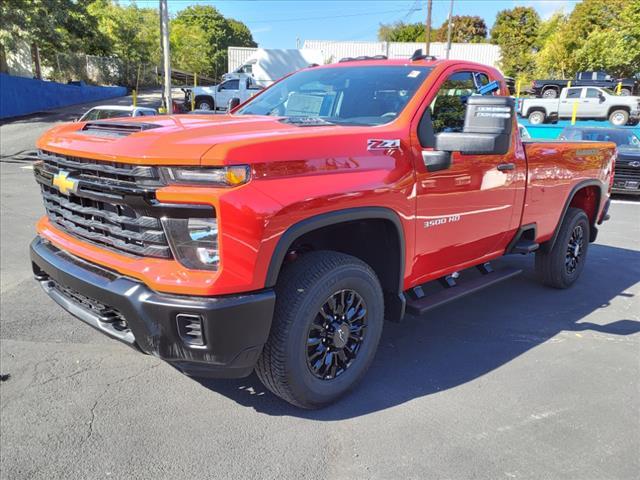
[422,305]
[525,246]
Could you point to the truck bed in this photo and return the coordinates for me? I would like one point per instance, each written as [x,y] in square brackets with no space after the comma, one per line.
[555,168]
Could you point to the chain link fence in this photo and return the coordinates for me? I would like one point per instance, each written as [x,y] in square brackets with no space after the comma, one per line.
[101,71]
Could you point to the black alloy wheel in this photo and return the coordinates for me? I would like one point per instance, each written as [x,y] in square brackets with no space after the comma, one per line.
[574,250]
[336,334]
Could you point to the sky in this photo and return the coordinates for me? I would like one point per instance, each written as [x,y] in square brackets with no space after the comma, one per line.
[281,23]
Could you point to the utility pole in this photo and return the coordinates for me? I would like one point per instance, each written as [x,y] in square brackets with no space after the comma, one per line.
[166,54]
[428,27]
[449,28]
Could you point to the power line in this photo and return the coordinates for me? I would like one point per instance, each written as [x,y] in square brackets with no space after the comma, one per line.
[300,19]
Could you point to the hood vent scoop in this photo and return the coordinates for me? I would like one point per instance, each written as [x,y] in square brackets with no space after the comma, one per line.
[116,129]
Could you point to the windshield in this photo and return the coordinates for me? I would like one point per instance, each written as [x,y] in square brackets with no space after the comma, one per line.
[621,138]
[371,95]
[101,114]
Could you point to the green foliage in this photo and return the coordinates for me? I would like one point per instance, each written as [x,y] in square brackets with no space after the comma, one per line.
[188,44]
[597,35]
[53,25]
[402,32]
[132,32]
[216,34]
[464,29]
[516,31]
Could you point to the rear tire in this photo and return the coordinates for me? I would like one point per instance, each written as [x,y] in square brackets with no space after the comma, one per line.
[536,118]
[625,92]
[550,93]
[299,341]
[619,118]
[561,266]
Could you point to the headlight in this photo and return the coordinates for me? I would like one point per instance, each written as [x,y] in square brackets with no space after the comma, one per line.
[230,176]
[194,241]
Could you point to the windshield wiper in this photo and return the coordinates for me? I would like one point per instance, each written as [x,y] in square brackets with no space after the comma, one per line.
[307,121]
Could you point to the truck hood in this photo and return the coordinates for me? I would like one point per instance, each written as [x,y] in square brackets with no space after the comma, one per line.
[628,154]
[181,139]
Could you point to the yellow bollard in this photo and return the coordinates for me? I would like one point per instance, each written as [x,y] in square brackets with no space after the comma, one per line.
[569,84]
[193,93]
[574,113]
[135,97]
[619,88]
[518,85]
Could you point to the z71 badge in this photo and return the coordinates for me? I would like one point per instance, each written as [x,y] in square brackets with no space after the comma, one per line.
[378,144]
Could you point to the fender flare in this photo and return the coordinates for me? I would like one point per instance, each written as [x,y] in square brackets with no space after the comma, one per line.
[580,185]
[332,218]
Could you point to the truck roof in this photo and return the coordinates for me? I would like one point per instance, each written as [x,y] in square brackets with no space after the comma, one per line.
[372,62]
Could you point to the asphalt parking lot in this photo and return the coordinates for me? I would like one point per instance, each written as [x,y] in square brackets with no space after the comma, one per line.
[519,381]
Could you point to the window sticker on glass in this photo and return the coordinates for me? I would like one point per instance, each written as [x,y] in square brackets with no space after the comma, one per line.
[413,74]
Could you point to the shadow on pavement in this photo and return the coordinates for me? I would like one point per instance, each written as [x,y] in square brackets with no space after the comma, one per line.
[463,341]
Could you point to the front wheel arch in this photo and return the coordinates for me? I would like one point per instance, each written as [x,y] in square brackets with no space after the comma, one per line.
[388,227]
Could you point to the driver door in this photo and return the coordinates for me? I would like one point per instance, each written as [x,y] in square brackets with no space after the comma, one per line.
[466,212]
[226,91]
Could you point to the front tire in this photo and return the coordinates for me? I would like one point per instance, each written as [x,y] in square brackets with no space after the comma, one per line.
[561,266]
[619,118]
[326,328]
[625,92]
[204,103]
[550,93]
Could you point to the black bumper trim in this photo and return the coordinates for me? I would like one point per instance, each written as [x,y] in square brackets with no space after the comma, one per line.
[235,327]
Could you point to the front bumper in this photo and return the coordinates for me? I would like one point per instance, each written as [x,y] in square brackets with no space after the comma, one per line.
[234,328]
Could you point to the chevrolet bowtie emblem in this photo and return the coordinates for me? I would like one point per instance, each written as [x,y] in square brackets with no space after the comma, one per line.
[65,184]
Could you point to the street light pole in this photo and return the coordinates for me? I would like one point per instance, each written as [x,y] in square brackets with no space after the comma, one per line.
[449,29]
[428,28]
[166,55]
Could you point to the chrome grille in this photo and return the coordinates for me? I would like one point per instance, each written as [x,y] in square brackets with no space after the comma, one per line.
[97,212]
[627,172]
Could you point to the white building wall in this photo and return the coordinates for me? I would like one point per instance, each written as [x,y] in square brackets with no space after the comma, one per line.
[477,52]
[236,56]
[333,51]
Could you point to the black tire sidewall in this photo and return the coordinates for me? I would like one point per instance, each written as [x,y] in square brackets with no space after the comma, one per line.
[301,380]
[562,243]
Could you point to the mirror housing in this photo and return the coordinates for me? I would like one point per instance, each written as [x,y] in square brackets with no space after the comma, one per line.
[487,128]
[601,98]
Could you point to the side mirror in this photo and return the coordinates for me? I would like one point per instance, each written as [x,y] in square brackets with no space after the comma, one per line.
[601,98]
[488,124]
[233,103]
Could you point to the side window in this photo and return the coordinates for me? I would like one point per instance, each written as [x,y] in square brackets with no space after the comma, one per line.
[593,93]
[448,108]
[230,85]
[574,93]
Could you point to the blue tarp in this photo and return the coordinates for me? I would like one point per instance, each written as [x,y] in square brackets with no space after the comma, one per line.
[551,131]
[22,96]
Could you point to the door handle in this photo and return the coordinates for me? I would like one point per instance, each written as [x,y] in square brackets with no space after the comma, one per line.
[506,166]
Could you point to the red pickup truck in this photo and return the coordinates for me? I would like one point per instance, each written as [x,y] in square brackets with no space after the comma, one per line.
[278,237]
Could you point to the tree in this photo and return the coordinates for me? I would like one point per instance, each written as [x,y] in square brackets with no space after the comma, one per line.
[615,49]
[51,26]
[132,32]
[465,29]
[218,33]
[187,46]
[402,32]
[516,32]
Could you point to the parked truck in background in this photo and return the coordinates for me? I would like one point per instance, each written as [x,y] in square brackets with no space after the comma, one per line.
[266,66]
[552,88]
[279,237]
[592,103]
[217,97]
